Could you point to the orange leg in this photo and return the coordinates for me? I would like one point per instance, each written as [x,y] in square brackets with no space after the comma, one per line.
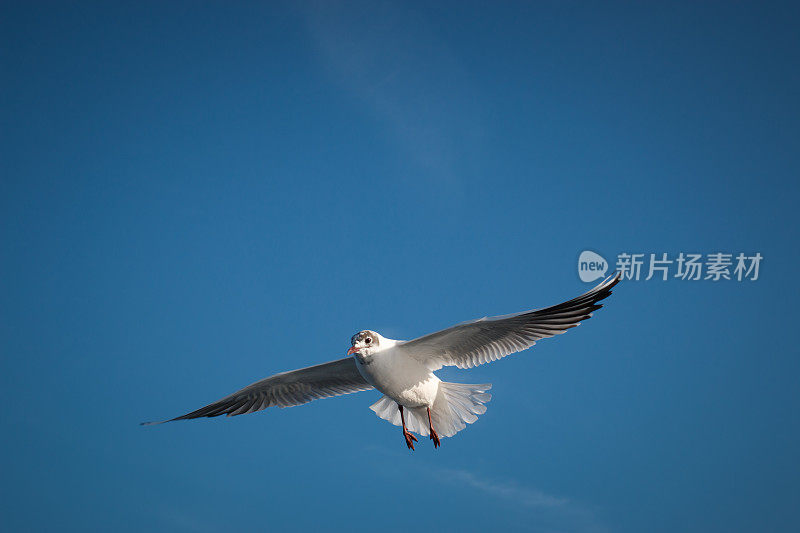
[434,436]
[409,437]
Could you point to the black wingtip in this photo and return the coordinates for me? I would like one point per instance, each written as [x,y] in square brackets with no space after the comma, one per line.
[602,290]
[153,423]
[612,279]
[607,284]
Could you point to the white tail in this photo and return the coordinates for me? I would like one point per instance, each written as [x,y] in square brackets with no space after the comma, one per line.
[456,405]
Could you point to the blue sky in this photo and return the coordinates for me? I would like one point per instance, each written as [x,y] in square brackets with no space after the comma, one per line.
[195,196]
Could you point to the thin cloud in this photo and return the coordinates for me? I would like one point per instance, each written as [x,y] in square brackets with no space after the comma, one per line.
[393,59]
[548,513]
[503,489]
[553,513]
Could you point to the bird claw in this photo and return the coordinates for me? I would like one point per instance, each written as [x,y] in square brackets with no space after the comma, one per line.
[410,439]
[435,439]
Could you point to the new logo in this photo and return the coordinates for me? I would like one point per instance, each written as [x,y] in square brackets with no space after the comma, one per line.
[591,266]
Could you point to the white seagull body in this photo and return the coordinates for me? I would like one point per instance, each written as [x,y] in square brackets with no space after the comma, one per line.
[404,370]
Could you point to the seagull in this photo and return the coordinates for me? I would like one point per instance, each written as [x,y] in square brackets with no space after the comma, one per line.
[403,371]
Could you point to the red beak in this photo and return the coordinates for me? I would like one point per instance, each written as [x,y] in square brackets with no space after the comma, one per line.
[352,350]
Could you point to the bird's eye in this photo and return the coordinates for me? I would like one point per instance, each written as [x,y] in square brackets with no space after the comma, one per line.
[368,340]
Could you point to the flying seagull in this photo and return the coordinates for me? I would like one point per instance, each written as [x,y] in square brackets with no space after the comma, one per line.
[413,397]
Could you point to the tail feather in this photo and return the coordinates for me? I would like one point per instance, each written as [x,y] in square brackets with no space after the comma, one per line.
[455,406]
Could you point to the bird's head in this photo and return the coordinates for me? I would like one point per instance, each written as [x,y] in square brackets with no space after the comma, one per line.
[365,343]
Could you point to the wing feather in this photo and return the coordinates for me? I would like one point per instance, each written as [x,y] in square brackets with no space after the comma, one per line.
[489,339]
[287,389]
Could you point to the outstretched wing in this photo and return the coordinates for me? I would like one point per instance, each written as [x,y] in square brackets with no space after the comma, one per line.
[287,389]
[489,339]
